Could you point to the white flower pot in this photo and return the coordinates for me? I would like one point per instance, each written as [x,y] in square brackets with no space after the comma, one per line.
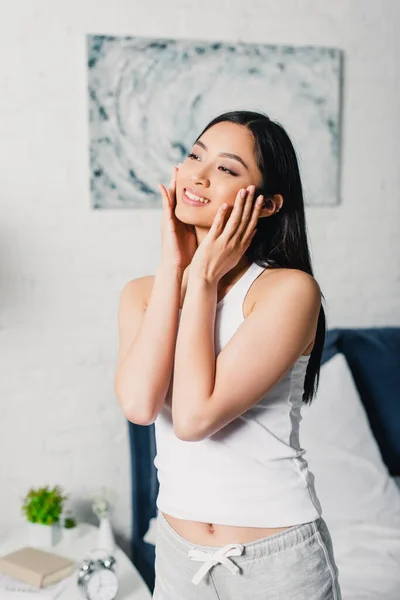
[41,536]
[105,538]
[69,535]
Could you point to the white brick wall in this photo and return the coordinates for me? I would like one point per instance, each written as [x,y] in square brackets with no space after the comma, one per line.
[63,265]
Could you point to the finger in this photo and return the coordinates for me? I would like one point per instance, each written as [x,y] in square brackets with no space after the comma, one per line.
[164,196]
[246,245]
[218,222]
[172,183]
[247,210]
[256,209]
[236,215]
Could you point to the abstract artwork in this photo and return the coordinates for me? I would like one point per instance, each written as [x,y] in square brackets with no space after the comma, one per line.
[150,98]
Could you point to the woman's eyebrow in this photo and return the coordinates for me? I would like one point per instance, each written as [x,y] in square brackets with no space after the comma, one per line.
[227,154]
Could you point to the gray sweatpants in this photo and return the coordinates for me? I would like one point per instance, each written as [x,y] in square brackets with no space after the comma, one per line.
[295,564]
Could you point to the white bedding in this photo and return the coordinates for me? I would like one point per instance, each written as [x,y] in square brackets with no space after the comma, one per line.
[368,559]
[360,501]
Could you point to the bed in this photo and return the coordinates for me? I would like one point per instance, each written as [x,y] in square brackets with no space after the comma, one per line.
[351,433]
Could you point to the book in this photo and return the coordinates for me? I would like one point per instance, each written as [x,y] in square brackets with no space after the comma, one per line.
[36,567]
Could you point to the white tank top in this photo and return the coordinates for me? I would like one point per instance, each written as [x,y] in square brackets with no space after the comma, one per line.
[252,472]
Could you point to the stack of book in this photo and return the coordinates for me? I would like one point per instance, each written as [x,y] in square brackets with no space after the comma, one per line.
[36,567]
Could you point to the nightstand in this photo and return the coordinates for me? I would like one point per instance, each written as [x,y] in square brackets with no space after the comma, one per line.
[131,584]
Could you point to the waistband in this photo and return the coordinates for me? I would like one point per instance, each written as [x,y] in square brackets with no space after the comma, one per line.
[257,549]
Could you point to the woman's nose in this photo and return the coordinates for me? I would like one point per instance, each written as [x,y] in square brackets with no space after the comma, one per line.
[199,177]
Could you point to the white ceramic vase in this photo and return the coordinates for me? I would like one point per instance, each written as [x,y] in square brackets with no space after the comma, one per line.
[41,536]
[105,538]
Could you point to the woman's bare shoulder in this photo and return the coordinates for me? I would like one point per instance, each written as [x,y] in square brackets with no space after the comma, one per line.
[277,276]
[140,287]
[295,281]
[272,279]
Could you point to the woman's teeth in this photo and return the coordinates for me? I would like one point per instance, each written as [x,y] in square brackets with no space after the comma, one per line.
[196,198]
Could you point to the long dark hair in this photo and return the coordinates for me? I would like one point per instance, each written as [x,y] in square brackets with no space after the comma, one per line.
[280,240]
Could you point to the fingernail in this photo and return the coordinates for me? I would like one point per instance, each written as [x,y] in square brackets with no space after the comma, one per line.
[243,193]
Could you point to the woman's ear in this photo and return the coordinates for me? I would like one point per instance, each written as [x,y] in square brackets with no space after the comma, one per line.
[272,205]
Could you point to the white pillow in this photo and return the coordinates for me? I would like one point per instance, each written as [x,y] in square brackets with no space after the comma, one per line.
[351,479]
[150,535]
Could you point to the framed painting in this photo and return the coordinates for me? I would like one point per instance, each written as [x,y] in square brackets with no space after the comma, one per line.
[150,98]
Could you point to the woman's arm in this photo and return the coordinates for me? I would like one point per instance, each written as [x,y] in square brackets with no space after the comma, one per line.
[194,370]
[147,345]
[209,392]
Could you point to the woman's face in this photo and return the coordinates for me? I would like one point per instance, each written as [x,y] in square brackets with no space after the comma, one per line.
[209,173]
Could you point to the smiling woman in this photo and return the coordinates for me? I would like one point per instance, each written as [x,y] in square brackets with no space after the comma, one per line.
[233,322]
[212,173]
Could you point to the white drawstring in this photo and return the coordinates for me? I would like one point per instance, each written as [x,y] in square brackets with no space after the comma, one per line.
[221,556]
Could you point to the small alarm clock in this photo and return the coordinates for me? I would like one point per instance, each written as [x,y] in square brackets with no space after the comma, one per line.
[97,579]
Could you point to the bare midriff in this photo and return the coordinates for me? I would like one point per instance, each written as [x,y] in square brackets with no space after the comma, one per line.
[213,534]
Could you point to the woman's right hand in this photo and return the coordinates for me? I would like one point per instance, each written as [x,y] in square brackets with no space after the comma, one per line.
[179,242]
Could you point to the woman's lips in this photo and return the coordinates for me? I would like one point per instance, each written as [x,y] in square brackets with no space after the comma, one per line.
[187,200]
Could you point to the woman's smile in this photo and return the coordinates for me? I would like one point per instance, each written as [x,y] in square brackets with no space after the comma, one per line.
[193,200]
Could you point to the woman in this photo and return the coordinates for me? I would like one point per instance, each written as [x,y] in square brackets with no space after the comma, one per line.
[220,349]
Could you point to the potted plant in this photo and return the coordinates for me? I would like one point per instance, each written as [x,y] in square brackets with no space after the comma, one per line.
[42,507]
[70,527]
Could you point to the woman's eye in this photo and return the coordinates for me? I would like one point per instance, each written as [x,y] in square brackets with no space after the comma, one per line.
[225,170]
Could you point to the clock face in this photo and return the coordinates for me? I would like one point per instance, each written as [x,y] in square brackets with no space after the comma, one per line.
[102,585]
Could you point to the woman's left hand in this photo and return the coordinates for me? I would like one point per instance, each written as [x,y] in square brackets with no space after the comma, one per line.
[228,239]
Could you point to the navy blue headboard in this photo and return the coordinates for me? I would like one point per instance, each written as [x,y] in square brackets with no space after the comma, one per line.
[373,355]
[144,494]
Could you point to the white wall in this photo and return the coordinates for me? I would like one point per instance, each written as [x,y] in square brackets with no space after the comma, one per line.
[63,265]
